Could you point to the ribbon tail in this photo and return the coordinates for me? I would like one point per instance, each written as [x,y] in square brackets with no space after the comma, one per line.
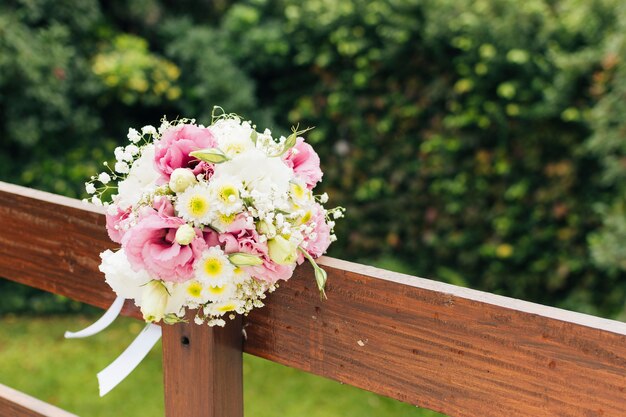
[102,323]
[121,367]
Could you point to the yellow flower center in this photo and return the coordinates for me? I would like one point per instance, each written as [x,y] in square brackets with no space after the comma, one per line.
[217,290]
[226,192]
[198,206]
[227,219]
[194,289]
[307,216]
[298,191]
[213,267]
[226,307]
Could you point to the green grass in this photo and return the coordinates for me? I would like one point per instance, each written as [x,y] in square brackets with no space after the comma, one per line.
[34,358]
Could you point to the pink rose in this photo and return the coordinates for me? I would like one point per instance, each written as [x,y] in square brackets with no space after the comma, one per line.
[117,224]
[172,151]
[317,247]
[151,245]
[304,162]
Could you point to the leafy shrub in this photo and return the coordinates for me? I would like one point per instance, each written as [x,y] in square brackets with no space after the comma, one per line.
[455,131]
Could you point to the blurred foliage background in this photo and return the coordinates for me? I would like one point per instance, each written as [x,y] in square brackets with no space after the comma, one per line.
[478,142]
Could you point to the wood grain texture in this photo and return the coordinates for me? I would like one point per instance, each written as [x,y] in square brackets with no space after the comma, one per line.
[53,243]
[17,404]
[451,349]
[203,370]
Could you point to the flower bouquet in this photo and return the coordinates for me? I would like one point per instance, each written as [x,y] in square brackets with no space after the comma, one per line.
[210,218]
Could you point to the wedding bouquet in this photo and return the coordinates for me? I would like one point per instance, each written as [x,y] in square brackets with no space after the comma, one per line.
[210,218]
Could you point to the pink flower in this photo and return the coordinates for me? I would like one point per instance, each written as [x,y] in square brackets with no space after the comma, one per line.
[270,271]
[304,162]
[240,237]
[150,245]
[117,224]
[321,232]
[172,151]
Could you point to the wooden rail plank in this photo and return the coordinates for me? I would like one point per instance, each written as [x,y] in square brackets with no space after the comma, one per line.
[451,349]
[53,243]
[17,404]
[203,370]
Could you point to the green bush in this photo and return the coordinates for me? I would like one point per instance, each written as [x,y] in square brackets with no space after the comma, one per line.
[455,131]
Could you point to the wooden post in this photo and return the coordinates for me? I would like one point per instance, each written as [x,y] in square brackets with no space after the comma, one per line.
[203,370]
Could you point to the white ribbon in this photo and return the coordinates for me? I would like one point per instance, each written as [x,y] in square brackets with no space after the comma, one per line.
[107,318]
[121,367]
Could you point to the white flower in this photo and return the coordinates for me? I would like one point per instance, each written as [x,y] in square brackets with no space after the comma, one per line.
[324,198]
[181,178]
[196,293]
[90,188]
[104,178]
[233,136]
[195,206]
[148,130]
[131,149]
[221,292]
[221,221]
[121,277]
[122,167]
[213,268]
[140,180]
[240,276]
[257,171]
[96,200]
[133,135]
[300,194]
[222,307]
[225,194]
[154,300]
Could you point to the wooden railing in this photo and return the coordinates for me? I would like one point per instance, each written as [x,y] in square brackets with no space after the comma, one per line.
[450,349]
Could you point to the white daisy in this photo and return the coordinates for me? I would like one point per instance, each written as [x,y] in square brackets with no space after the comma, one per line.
[222,292]
[213,268]
[195,206]
[223,307]
[225,193]
[222,221]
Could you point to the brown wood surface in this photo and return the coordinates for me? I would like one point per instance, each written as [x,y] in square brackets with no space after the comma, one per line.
[203,370]
[451,349]
[17,404]
[53,243]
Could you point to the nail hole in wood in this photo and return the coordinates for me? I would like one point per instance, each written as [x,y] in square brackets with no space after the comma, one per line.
[184,340]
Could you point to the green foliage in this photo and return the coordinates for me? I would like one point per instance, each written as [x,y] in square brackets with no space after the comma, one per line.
[129,69]
[609,143]
[454,131]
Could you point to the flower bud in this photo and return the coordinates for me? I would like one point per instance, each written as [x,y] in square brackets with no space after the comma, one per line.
[181,178]
[266,228]
[154,301]
[282,251]
[244,259]
[185,234]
